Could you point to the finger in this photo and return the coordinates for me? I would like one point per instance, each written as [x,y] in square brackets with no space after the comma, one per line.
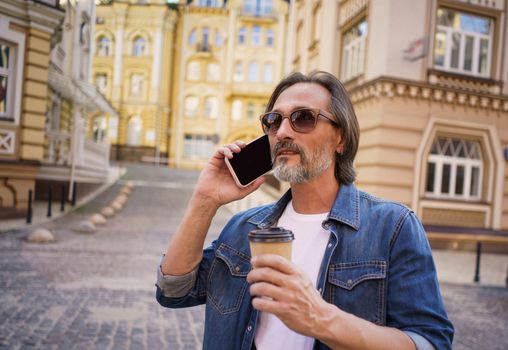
[234,147]
[224,152]
[267,274]
[267,290]
[274,261]
[267,305]
[240,143]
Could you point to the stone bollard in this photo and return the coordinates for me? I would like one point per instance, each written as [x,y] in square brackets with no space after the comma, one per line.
[85,226]
[41,235]
[98,219]
[108,212]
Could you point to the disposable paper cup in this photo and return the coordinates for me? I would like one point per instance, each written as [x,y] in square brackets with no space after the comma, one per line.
[274,240]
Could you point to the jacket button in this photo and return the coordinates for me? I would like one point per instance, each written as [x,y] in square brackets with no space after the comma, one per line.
[249,328]
[349,282]
[329,245]
[237,268]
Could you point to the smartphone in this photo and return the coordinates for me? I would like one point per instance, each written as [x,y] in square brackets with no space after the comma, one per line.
[253,161]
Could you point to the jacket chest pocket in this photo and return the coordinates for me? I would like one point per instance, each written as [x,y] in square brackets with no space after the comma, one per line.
[359,288]
[227,281]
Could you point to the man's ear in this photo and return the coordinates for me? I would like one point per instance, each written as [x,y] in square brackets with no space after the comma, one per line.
[340,144]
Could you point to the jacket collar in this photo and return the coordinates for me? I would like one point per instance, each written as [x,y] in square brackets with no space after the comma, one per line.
[345,209]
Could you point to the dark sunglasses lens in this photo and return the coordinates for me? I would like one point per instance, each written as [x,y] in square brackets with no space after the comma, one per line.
[303,120]
[271,122]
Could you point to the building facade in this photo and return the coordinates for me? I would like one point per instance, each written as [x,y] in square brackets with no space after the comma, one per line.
[26,28]
[428,80]
[133,67]
[230,58]
[72,154]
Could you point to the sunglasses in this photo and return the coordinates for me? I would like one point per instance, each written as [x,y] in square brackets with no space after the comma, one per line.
[301,120]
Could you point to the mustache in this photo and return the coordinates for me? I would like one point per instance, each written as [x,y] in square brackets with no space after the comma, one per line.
[286,146]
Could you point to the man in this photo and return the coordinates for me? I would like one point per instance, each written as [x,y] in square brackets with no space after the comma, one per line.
[361,274]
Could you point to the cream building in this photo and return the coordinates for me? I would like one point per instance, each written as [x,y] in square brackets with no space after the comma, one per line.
[428,79]
[229,59]
[132,67]
[26,28]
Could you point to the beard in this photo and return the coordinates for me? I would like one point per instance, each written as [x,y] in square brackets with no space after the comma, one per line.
[309,167]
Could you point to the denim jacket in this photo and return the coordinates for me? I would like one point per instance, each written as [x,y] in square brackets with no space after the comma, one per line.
[377,265]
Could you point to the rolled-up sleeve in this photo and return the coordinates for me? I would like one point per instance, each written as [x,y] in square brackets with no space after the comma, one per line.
[175,286]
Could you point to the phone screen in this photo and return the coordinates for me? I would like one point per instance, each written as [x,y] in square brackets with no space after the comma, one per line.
[253,161]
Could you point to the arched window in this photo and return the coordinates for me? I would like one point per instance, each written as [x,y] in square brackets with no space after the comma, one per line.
[253,71]
[238,73]
[236,110]
[101,81]
[213,72]
[269,37]
[134,128]
[192,37]
[454,169]
[99,128]
[103,47]
[256,35]
[194,71]
[139,46]
[211,107]
[268,73]
[191,106]
[242,34]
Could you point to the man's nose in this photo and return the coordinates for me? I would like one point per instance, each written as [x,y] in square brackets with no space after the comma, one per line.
[285,130]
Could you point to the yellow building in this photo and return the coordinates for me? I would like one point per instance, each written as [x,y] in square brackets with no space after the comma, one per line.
[429,85]
[26,28]
[132,67]
[229,59]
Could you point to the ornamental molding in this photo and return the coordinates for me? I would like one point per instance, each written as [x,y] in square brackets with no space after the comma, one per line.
[349,9]
[7,141]
[491,4]
[393,87]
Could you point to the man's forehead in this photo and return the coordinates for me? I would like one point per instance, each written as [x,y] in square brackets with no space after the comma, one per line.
[303,95]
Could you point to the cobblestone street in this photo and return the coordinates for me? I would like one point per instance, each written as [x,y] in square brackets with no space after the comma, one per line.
[96,291]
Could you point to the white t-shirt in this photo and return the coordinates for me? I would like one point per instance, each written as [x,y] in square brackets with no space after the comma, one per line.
[307,253]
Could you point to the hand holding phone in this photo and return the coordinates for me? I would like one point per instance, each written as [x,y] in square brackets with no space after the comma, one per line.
[253,161]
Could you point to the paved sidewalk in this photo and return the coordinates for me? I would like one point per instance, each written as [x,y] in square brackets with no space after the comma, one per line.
[96,291]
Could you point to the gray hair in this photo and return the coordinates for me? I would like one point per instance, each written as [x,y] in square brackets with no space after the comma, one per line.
[341,108]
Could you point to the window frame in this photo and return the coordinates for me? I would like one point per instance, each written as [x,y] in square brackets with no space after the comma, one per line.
[353,57]
[454,162]
[135,46]
[99,45]
[477,38]
[197,146]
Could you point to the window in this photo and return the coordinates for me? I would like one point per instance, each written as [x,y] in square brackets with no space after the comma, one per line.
[463,42]
[205,44]
[211,107]
[103,46]
[101,81]
[268,73]
[6,80]
[353,51]
[256,35]
[113,128]
[454,169]
[134,128]
[192,37]
[253,71]
[198,146]
[191,106]
[208,3]
[242,33]
[137,81]
[251,110]
[139,46]
[238,74]
[194,71]
[269,38]
[218,39]
[236,113]
[54,113]
[258,7]
[213,72]
[99,127]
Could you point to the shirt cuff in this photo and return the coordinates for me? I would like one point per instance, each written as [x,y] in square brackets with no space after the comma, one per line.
[420,342]
[176,286]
